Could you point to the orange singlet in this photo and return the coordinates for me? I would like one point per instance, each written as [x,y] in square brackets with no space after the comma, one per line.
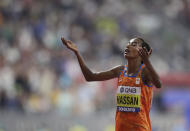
[134,100]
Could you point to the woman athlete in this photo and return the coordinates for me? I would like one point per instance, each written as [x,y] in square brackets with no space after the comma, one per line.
[134,92]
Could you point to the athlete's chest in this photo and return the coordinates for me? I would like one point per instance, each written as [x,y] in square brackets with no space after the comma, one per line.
[129,81]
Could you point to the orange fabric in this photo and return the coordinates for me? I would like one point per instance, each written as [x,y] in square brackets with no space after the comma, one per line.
[135,121]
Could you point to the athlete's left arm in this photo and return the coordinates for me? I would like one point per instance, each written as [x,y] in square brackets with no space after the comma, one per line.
[149,73]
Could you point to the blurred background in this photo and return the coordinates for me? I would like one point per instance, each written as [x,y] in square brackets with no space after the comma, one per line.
[41,84]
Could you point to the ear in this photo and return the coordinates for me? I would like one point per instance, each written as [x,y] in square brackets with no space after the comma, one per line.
[150,52]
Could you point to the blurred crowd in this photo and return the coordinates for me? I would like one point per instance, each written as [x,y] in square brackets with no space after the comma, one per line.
[38,74]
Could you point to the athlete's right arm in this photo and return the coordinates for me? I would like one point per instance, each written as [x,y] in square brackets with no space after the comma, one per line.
[88,74]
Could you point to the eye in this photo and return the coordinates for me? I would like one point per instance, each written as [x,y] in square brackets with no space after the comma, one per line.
[134,44]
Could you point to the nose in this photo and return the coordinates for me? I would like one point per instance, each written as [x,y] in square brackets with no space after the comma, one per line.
[128,46]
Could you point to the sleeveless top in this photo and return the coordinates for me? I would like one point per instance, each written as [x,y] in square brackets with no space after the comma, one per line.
[134,99]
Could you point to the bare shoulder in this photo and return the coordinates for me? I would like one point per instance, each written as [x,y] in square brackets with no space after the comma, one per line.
[117,69]
[109,74]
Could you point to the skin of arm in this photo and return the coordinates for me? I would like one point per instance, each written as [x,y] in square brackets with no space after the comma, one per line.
[98,76]
[149,73]
[88,74]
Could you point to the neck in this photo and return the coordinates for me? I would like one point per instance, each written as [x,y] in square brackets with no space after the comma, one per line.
[133,66]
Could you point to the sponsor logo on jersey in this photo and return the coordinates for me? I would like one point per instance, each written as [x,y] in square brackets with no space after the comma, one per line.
[137,80]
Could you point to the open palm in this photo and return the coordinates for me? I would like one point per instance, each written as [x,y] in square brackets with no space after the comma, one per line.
[69,44]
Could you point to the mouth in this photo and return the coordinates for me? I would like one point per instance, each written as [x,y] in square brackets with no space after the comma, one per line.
[127,51]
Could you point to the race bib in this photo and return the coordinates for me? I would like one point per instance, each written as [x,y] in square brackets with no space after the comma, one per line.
[128,99]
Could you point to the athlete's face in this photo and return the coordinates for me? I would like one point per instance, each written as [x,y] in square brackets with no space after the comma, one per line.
[131,50]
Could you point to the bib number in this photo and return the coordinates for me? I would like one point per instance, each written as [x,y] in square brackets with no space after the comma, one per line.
[128,99]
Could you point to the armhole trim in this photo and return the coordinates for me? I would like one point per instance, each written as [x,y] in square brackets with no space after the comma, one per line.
[121,71]
[142,78]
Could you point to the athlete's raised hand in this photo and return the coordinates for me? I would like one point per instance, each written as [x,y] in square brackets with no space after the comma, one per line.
[144,53]
[69,44]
